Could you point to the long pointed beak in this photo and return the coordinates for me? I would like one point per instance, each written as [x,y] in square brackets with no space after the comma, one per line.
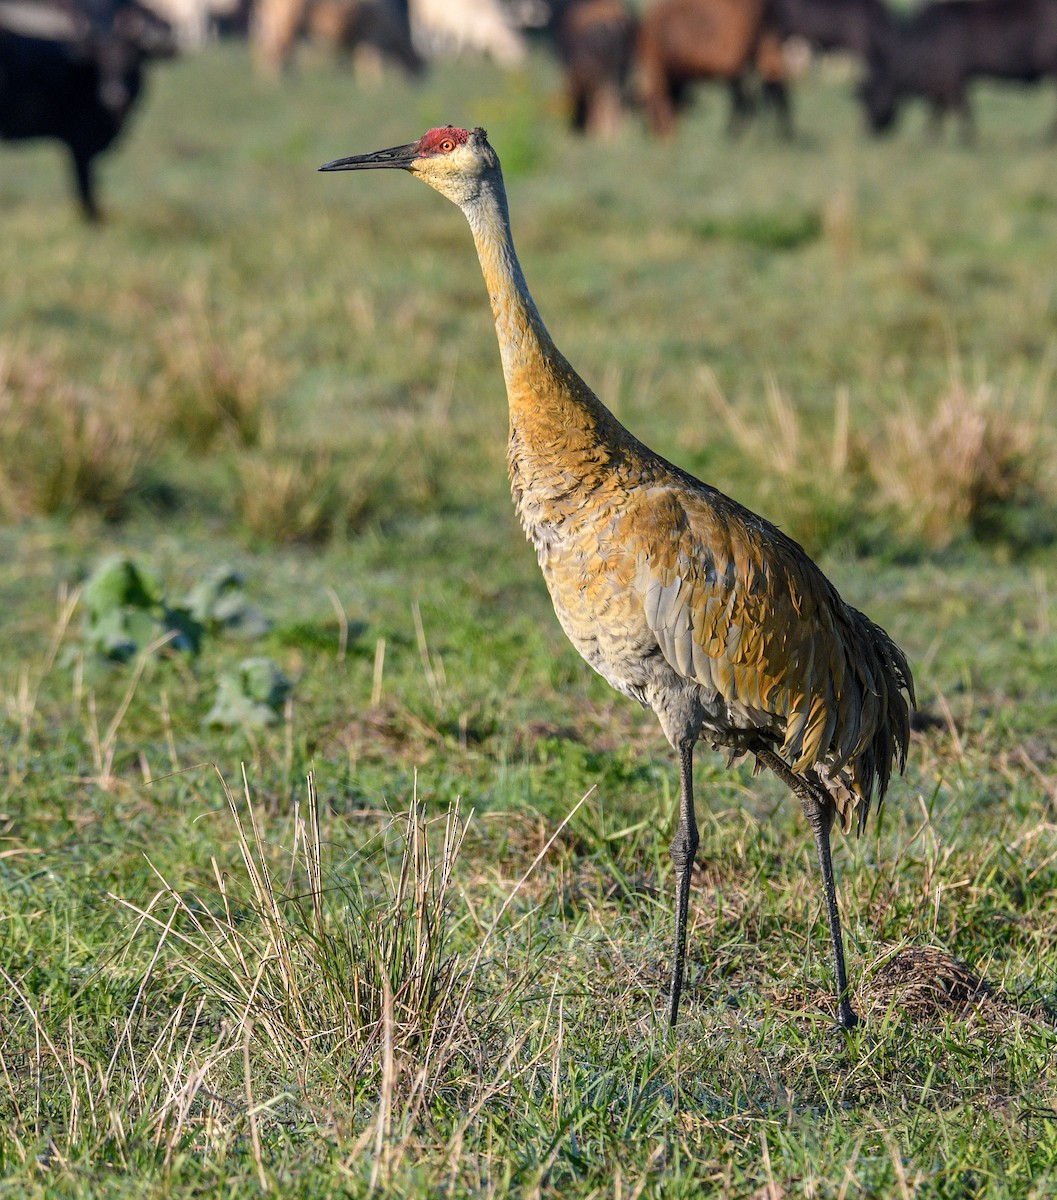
[396,158]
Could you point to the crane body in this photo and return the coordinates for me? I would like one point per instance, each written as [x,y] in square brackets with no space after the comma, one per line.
[677,595]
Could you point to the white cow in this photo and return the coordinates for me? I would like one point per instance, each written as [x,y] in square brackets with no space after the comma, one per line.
[452,26]
[438,27]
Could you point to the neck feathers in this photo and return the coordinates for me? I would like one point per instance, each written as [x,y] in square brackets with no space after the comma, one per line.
[554,415]
[523,338]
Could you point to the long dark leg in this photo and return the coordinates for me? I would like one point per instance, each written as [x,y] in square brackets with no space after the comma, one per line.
[84,182]
[819,810]
[937,113]
[965,113]
[742,106]
[820,814]
[683,850]
[776,96]
[580,110]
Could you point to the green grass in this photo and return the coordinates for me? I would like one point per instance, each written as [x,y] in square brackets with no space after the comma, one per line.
[439,966]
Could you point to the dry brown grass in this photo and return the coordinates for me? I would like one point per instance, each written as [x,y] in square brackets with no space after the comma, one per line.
[66,447]
[975,463]
[957,467]
[809,482]
[212,384]
[342,982]
[779,439]
[924,982]
[285,496]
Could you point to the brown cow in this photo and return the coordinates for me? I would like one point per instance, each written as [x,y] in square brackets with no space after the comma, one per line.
[595,41]
[682,41]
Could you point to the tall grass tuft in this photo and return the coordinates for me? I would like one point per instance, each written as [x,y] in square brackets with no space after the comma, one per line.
[286,496]
[348,1007]
[340,974]
[809,481]
[66,446]
[974,464]
[209,387]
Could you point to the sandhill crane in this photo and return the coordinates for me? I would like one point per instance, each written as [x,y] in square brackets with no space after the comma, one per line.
[678,596]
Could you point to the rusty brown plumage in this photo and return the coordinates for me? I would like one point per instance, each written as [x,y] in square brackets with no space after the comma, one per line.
[680,597]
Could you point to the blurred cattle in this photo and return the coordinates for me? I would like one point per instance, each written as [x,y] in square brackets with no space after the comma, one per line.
[422,29]
[275,28]
[853,25]
[76,77]
[382,26]
[444,27]
[682,41]
[595,40]
[194,22]
[934,54]
[350,26]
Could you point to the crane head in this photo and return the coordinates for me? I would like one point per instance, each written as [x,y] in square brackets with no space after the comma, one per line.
[454,161]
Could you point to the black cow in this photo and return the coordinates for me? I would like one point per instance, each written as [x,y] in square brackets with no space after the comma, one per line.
[854,25]
[935,53]
[79,88]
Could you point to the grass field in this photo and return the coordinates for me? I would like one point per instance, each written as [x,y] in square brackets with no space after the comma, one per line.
[404,928]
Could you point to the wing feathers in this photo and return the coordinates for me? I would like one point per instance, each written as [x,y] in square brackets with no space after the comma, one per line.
[740,609]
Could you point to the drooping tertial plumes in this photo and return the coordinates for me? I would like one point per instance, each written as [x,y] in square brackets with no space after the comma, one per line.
[680,597]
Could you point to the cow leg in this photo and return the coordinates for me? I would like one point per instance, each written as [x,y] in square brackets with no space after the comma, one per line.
[776,97]
[605,110]
[771,67]
[85,184]
[661,99]
[580,109]
[937,111]
[677,94]
[954,98]
[1051,133]
[965,115]
[274,32]
[741,106]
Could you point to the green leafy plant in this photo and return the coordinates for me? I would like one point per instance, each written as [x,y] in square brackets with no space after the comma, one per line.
[251,696]
[125,610]
[219,603]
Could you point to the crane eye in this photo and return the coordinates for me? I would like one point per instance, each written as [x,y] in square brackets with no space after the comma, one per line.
[447,145]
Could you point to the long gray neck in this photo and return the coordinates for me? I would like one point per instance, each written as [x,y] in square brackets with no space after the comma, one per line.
[523,338]
[558,427]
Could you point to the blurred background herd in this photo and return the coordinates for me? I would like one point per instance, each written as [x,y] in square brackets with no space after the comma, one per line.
[72,70]
[748,277]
